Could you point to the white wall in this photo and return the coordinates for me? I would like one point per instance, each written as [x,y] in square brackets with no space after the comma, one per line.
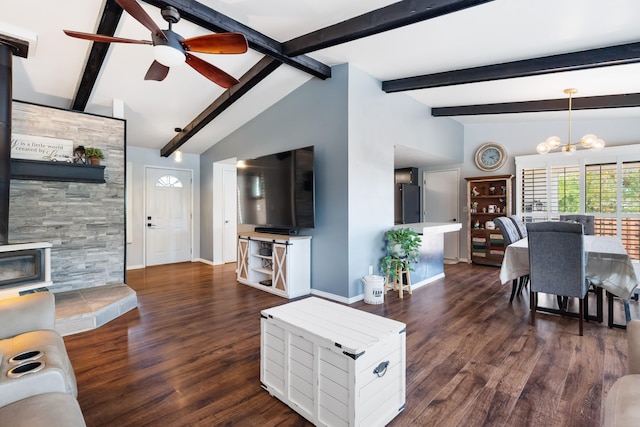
[139,159]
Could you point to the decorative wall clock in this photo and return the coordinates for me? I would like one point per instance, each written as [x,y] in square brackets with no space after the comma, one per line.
[490,157]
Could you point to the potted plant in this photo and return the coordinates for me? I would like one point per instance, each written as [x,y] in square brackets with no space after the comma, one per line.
[403,246]
[94,155]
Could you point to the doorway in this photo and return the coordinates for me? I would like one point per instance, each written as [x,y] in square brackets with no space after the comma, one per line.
[225,212]
[441,204]
[168,213]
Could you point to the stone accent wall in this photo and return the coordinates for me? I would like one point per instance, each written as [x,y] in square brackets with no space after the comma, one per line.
[84,222]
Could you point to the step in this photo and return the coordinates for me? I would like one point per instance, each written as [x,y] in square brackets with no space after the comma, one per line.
[86,309]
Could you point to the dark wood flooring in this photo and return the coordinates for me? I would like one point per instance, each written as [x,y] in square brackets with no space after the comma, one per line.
[190,355]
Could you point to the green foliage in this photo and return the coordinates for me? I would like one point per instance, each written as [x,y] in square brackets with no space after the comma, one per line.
[600,189]
[93,152]
[403,246]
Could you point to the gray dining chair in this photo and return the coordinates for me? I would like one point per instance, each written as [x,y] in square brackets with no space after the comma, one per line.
[557,265]
[522,229]
[587,220]
[510,234]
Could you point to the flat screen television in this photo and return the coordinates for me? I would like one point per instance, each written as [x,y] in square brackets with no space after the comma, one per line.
[276,192]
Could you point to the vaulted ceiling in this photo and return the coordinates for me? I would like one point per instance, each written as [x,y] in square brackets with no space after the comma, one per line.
[471,60]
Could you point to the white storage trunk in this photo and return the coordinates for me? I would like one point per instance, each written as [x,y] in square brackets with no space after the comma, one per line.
[334,365]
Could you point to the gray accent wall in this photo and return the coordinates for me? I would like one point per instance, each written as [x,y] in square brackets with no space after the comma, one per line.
[354,127]
[85,222]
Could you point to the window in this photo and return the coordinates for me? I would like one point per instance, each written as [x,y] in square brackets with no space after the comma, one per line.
[169,181]
[605,184]
[565,189]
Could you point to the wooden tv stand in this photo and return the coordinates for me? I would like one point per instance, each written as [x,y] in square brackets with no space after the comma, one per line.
[275,263]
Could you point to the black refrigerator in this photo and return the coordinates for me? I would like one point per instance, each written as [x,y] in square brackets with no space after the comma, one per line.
[407,203]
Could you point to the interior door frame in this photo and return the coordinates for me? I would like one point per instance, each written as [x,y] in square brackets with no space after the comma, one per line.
[144,209]
[217,211]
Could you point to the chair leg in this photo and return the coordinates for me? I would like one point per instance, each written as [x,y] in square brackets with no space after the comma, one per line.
[563,302]
[533,296]
[586,307]
[514,286]
[610,309]
[523,282]
[581,317]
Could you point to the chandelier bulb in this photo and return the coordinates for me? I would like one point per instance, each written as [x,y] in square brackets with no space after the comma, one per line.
[553,141]
[597,145]
[543,148]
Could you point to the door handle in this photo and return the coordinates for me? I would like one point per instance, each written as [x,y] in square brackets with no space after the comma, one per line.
[150,225]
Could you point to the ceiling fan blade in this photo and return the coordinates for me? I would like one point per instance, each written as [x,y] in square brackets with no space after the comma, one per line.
[217,43]
[211,72]
[103,39]
[157,72]
[134,9]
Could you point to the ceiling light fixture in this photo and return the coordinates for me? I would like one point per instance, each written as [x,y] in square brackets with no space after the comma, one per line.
[168,52]
[589,141]
[178,155]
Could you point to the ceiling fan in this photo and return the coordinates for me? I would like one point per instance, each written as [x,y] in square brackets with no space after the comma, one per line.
[170,49]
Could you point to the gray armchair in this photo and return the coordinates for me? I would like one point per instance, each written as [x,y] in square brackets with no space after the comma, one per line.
[557,265]
[587,220]
[33,358]
[510,234]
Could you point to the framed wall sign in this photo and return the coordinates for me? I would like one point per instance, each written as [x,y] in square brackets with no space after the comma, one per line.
[44,148]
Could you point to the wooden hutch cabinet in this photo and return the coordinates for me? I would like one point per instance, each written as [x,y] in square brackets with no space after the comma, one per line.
[488,197]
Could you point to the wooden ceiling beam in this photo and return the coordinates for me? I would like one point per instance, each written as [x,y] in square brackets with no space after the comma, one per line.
[212,20]
[387,18]
[107,26]
[584,103]
[592,58]
[251,78]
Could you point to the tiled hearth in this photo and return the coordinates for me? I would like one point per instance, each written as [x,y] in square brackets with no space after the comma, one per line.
[85,309]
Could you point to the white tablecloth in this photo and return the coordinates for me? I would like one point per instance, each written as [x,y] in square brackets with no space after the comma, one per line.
[608,264]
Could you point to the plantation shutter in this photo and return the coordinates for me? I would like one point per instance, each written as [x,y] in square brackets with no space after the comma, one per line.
[631,208]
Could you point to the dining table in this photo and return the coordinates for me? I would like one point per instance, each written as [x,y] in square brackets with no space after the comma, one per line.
[607,265]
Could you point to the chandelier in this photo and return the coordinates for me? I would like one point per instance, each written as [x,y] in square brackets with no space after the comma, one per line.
[589,141]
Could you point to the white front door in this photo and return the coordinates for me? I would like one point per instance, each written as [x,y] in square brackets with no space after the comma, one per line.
[441,205]
[229,228]
[168,216]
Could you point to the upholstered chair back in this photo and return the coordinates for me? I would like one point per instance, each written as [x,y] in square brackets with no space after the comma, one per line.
[508,229]
[522,229]
[587,220]
[557,258]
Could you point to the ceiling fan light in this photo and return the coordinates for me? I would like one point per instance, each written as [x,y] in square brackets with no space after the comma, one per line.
[553,142]
[543,148]
[168,56]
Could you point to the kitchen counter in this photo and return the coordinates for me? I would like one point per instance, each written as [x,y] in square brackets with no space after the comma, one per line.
[430,265]
[432,227]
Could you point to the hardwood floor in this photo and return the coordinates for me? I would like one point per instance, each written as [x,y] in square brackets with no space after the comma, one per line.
[190,355]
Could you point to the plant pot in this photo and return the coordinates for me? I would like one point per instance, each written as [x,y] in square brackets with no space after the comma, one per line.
[94,160]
